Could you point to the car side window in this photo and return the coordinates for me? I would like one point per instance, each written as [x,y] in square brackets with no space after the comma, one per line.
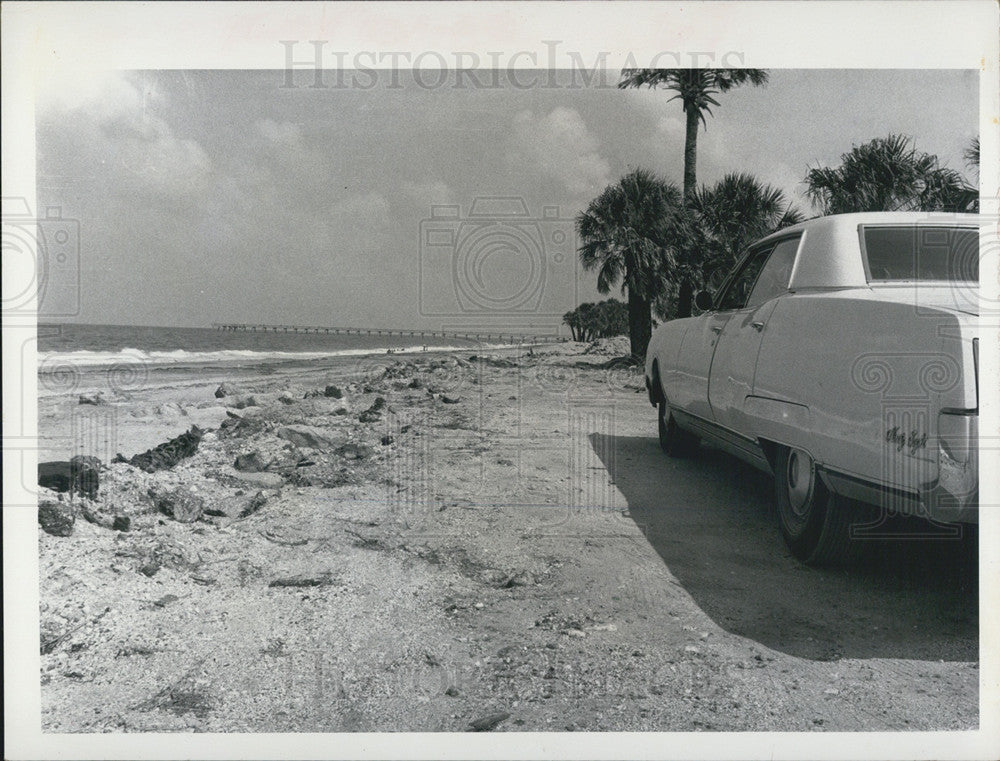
[773,278]
[735,296]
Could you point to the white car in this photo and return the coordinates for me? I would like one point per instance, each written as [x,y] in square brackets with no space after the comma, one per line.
[840,355]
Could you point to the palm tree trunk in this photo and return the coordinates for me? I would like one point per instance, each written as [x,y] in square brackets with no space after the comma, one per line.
[685,295]
[690,150]
[640,326]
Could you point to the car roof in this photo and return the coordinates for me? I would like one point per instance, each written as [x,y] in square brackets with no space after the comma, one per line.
[879,218]
[830,251]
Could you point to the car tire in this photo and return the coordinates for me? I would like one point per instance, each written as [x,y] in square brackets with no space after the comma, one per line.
[674,440]
[815,523]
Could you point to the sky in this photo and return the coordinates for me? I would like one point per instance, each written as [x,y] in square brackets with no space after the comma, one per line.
[224,196]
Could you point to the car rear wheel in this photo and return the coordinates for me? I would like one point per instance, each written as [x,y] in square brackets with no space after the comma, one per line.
[675,441]
[815,522]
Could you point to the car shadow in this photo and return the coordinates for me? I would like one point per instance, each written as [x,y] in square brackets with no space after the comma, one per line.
[712,521]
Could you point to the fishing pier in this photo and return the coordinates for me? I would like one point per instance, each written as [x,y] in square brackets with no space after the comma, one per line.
[513,338]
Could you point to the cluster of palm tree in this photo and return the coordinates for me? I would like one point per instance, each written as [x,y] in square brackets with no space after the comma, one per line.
[661,244]
[602,319]
[890,174]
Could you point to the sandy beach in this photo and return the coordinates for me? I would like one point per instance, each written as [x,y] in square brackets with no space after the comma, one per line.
[455,542]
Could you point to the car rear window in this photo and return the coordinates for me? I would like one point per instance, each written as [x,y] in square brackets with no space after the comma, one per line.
[921,252]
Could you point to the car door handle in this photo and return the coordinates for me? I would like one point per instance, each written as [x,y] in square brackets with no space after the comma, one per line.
[716,328]
[758,326]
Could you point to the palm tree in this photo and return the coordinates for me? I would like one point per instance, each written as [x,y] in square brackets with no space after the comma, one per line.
[889,174]
[625,234]
[585,314]
[696,89]
[729,216]
[601,320]
[612,318]
[971,155]
[572,318]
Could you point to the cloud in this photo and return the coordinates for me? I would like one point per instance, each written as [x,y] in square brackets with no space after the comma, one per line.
[665,146]
[287,159]
[368,211]
[360,226]
[789,181]
[671,128]
[722,145]
[155,160]
[428,193]
[283,133]
[103,94]
[723,148]
[115,119]
[167,165]
[560,146]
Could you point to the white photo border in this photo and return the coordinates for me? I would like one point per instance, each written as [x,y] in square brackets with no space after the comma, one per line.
[39,38]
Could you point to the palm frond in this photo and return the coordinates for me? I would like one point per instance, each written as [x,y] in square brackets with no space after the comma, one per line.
[623,231]
[971,155]
[730,215]
[696,88]
[886,174]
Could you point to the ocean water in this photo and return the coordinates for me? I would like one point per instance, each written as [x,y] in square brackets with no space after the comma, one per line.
[105,345]
[124,359]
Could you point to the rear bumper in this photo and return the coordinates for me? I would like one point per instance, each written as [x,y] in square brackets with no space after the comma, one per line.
[951,493]
[951,499]
[945,507]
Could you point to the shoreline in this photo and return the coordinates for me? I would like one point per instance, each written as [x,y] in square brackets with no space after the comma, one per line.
[144,404]
[55,361]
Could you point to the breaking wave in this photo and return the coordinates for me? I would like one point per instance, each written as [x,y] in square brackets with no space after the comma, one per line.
[55,362]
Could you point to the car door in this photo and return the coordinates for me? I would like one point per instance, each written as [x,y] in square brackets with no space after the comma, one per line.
[687,388]
[734,361]
[691,374]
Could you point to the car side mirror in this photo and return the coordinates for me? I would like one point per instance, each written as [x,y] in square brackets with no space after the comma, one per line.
[703,300]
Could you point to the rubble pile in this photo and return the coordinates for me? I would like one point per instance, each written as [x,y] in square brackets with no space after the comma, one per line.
[167,454]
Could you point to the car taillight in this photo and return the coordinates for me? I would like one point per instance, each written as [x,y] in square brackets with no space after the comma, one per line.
[958,451]
[955,435]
